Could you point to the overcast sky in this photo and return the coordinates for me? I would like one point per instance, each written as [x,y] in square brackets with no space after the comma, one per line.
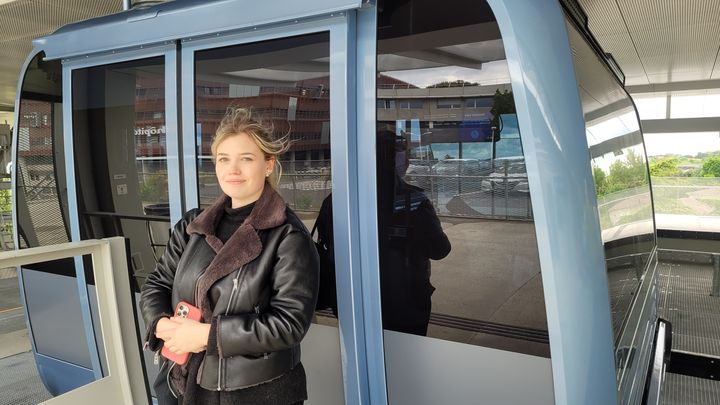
[495,72]
[682,143]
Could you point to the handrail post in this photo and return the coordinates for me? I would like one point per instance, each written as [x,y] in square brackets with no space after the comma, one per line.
[716,275]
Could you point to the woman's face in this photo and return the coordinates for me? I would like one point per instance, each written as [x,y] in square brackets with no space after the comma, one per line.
[241,169]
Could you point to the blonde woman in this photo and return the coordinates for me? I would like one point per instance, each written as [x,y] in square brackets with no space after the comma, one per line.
[250,266]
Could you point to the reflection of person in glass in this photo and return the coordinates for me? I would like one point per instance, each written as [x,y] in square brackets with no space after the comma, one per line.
[410,235]
[248,263]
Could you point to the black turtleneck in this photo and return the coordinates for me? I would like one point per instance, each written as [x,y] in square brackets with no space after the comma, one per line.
[231,220]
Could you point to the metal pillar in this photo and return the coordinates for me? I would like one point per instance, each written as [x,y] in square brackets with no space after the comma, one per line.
[716,275]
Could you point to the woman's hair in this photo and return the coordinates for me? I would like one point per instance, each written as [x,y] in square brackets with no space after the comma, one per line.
[238,120]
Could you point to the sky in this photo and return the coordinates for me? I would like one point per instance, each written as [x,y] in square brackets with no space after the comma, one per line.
[686,144]
[495,72]
[696,104]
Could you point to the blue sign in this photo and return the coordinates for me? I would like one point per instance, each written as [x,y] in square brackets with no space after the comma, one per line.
[475,131]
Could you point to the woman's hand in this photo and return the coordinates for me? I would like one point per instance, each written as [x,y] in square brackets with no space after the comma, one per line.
[165,328]
[186,335]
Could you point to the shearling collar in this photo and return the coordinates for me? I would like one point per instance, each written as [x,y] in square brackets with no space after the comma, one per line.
[269,212]
[241,248]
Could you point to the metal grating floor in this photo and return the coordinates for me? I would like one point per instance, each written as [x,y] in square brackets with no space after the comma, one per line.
[20,383]
[683,390]
[686,302]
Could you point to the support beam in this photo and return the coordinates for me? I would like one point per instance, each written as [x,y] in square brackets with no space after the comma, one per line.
[674,86]
[709,124]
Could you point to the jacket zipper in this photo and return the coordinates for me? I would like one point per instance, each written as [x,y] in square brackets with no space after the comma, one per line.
[169,383]
[220,362]
[232,294]
[220,359]
[256,307]
[227,310]
[197,291]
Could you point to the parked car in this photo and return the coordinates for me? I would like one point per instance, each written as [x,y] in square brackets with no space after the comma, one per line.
[500,182]
[418,173]
[463,167]
[508,175]
[457,176]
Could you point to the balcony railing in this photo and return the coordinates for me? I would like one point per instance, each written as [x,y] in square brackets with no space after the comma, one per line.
[687,203]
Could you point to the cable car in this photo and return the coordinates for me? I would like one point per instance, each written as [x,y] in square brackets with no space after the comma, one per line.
[491,126]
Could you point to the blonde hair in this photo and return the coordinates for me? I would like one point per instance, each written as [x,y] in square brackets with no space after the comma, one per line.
[239,120]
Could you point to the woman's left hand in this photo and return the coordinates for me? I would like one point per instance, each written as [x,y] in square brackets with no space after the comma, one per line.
[189,337]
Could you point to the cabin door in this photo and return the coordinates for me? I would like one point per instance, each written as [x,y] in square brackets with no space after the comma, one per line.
[293,78]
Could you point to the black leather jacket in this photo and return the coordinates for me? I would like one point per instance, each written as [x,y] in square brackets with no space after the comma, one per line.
[259,297]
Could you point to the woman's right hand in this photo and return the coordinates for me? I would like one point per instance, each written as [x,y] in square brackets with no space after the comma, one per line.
[165,329]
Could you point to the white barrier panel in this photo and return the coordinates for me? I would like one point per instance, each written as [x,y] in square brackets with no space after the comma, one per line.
[125,383]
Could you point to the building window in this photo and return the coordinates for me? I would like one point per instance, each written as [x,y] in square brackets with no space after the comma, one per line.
[482,102]
[449,103]
[410,104]
[385,104]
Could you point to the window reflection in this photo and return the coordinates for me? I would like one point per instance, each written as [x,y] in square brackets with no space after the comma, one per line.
[42,217]
[619,166]
[119,128]
[411,235]
[287,82]
[458,255]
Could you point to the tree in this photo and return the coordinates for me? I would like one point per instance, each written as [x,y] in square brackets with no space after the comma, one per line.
[628,173]
[711,167]
[665,167]
[601,185]
[503,103]
[456,83]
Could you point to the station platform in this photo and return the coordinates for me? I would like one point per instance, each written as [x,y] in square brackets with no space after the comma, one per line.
[685,301]
[20,383]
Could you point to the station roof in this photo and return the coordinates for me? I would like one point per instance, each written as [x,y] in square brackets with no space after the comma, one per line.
[655,43]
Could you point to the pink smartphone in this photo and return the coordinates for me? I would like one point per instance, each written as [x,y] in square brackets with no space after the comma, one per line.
[183,310]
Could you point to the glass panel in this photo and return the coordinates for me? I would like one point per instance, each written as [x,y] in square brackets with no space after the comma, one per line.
[704,103]
[620,171]
[41,204]
[42,216]
[651,107]
[119,130]
[287,82]
[450,177]
[685,170]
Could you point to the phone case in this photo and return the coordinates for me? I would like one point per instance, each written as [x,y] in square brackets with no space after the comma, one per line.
[183,310]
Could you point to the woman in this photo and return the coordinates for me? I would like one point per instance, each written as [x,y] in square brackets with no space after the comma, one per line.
[248,263]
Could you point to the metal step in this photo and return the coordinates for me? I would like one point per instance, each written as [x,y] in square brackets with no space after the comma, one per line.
[686,302]
[680,389]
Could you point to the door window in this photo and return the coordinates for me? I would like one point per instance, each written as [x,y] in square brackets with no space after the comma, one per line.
[286,82]
[120,145]
[458,252]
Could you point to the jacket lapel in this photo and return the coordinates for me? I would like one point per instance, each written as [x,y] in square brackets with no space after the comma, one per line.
[243,246]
